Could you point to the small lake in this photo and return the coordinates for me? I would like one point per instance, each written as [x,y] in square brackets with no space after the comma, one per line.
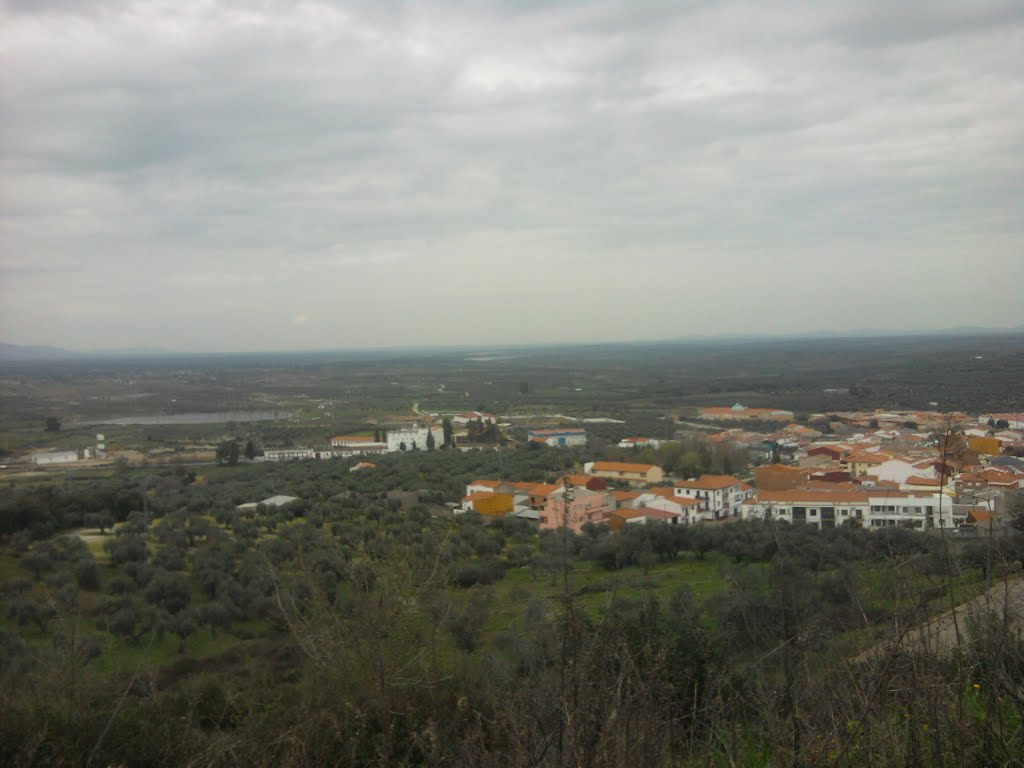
[193,418]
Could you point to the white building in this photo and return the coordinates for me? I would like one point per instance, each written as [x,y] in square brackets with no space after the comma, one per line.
[900,470]
[464,418]
[688,511]
[414,438]
[830,509]
[55,457]
[558,438]
[911,510]
[641,442]
[355,441]
[366,449]
[289,454]
[719,495]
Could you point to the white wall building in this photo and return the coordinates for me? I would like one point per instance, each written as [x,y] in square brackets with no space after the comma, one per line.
[827,509]
[354,441]
[720,495]
[688,510]
[641,442]
[899,471]
[911,510]
[558,438]
[414,438]
[463,419]
[55,457]
[289,454]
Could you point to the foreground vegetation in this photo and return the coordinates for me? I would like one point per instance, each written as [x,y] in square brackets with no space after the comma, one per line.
[149,622]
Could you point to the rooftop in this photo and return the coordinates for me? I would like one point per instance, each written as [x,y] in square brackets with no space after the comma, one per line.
[709,482]
[618,466]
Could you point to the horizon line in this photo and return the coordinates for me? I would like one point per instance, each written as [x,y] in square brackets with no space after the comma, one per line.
[849,334]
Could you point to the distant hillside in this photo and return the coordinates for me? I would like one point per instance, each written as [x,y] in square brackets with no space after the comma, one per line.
[18,353]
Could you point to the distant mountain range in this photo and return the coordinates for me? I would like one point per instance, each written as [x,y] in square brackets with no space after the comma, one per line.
[19,353]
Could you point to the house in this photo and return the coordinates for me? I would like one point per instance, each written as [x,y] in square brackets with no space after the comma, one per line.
[540,494]
[54,457]
[362,465]
[832,451]
[590,482]
[414,438]
[634,474]
[483,485]
[898,470]
[827,475]
[624,498]
[915,483]
[778,477]
[584,507]
[720,495]
[620,518]
[990,477]
[861,463]
[688,511]
[564,437]
[489,503]
[979,521]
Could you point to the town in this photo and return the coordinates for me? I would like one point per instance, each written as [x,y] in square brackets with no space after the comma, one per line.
[912,469]
[909,469]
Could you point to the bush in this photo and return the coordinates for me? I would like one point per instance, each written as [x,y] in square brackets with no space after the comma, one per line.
[484,571]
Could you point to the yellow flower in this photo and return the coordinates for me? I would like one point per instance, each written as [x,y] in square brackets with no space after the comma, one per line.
[977,685]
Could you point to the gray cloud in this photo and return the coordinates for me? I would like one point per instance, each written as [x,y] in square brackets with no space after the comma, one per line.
[199,174]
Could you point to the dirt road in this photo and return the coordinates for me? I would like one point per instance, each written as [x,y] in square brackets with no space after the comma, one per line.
[939,635]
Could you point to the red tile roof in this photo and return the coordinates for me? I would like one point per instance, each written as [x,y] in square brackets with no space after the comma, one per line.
[709,482]
[978,515]
[812,497]
[625,495]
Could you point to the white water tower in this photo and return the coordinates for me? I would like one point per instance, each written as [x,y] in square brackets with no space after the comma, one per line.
[101,445]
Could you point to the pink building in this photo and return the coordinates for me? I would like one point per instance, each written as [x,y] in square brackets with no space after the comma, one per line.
[586,507]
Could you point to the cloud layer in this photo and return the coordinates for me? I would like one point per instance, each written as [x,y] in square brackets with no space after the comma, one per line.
[249,175]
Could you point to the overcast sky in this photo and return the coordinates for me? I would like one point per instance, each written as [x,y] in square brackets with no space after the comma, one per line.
[246,175]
